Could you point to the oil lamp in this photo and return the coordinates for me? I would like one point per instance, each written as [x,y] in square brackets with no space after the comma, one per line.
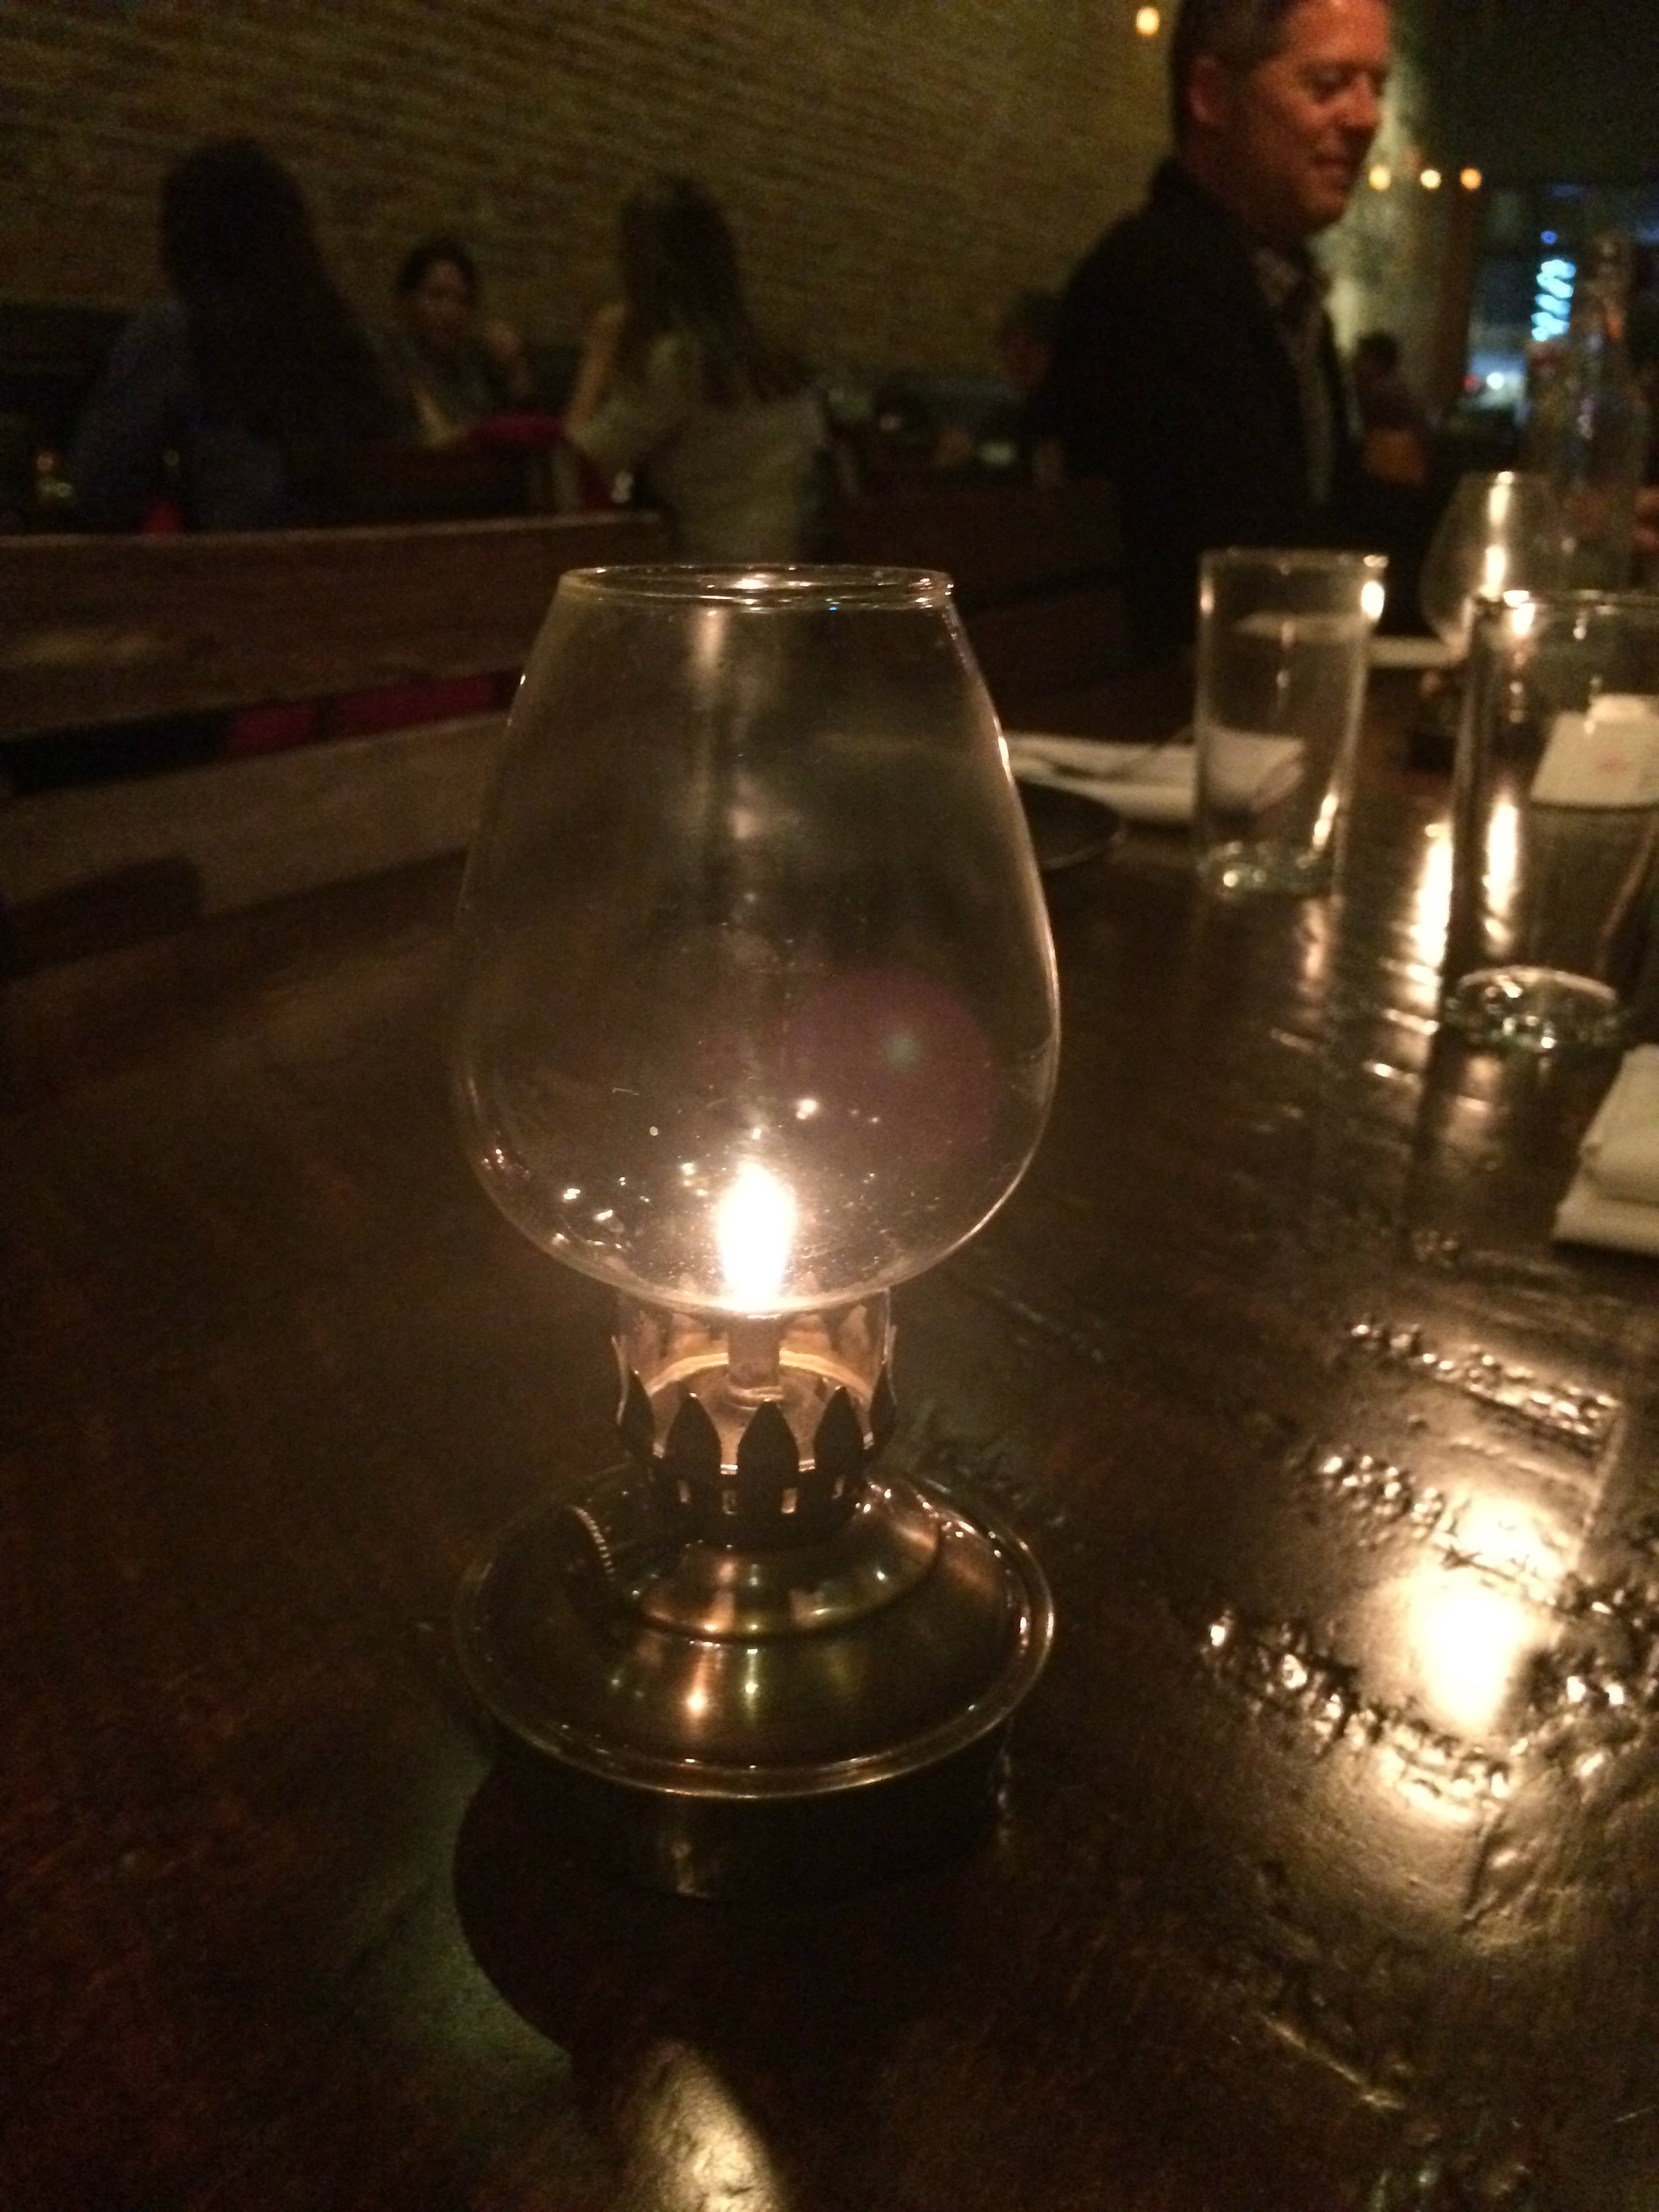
[755,1016]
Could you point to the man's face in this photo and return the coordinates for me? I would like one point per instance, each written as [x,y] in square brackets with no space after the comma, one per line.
[1288,139]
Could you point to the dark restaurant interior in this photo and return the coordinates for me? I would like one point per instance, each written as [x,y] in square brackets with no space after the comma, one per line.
[892,191]
[830,1087]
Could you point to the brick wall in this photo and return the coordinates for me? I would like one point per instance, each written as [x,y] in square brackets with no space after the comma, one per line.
[895,169]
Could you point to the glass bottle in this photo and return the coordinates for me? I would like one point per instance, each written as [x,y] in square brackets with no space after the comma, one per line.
[1588,426]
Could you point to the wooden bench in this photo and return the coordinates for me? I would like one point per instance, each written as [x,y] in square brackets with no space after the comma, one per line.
[1037,570]
[100,630]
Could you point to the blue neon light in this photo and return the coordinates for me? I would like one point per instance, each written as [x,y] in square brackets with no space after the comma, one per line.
[1553,298]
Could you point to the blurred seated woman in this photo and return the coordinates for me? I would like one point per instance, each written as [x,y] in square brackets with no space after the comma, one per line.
[451,370]
[677,386]
[231,405]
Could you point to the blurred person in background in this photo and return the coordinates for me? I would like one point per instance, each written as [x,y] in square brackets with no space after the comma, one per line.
[1642,341]
[1642,322]
[679,389]
[233,403]
[1025,347]
[1393,422]
[1025,337]
[451,369]
[1194,361]
[997,439]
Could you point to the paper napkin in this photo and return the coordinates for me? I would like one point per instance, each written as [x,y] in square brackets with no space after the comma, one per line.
[1614,1197]
[1145,783]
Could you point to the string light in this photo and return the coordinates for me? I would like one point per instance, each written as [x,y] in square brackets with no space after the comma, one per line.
[1379,176]
[1148,22]
[1470,180]
[1430,180]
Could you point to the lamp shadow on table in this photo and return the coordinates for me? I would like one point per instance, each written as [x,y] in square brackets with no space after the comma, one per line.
[695,2029]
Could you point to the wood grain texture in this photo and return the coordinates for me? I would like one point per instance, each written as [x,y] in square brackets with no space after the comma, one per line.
[102,629]
[245,830]
[1326,1882]
[95,629]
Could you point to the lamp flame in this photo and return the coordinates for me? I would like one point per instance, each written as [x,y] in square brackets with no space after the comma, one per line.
[754,1232]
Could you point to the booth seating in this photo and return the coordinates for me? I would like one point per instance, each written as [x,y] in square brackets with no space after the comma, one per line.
[99,631]
[95,631]
[1037,570]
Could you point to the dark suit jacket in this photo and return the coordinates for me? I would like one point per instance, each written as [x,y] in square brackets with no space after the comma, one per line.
[1171,376]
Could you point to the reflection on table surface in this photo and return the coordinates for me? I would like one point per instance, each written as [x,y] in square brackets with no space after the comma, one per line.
[1326,1878]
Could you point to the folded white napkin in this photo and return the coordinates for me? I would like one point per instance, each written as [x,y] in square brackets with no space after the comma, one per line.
[1584,1217]
[1621,1144]
[1247,771]
[1614,1198]
[1607,757]
[1145,783]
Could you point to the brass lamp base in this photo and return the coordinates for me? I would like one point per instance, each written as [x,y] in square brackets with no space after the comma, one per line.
[727,1723]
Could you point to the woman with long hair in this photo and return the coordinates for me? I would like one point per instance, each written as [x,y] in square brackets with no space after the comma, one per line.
[237,399]
[452,369]
[678,386]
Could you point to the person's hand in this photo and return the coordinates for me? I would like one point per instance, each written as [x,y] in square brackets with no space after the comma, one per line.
[506,349]
[605,331]
[597,365]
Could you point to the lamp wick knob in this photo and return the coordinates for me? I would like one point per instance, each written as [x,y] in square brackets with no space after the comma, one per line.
[587,1563]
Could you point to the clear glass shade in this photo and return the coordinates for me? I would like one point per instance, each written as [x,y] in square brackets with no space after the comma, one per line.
[755,1005]
[1498,533]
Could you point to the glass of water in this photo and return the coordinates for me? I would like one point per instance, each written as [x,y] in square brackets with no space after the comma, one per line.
[1555,833]
[1282,644]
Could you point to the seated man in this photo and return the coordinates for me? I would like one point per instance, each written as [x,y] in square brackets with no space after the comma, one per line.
[1193,360]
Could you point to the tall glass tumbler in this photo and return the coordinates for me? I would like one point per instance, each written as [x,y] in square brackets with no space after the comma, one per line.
[1283,639]
[1555,822]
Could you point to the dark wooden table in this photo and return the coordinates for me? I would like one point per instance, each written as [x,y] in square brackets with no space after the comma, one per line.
[1330,1875]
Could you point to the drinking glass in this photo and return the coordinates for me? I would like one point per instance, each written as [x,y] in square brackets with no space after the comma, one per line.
[1555,848]
[1282,644]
